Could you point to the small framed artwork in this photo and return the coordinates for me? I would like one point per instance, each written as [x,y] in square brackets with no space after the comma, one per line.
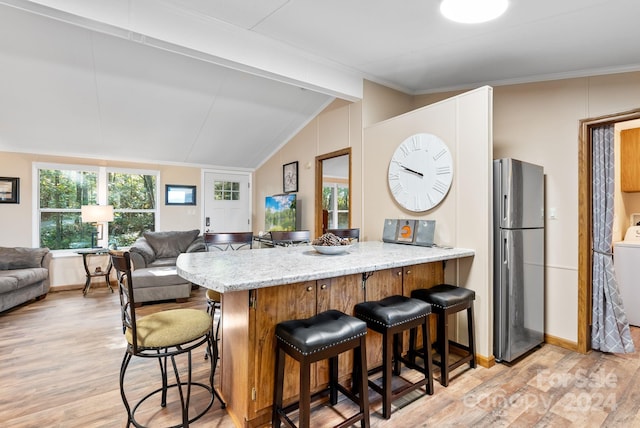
[290,177]
[9,190]
[176,194]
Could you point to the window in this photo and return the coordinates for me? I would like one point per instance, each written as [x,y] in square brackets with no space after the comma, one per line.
[63,189]
[226,190]
[335,199]
[133,196]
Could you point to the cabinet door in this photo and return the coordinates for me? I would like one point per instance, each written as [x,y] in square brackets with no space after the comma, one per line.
[381,284]
[424,275]
[629,160]
[341,293]
[274,305]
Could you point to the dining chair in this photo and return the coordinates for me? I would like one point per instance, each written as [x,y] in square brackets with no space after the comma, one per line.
[222,241]
[290,238]
[162,335]
[353,234]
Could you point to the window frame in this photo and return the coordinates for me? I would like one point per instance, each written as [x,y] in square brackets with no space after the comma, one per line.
[102,193]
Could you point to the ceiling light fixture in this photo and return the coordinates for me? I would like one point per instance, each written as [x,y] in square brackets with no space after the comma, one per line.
[473,11]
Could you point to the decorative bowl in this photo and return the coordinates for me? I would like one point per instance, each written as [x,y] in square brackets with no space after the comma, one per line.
[331,249]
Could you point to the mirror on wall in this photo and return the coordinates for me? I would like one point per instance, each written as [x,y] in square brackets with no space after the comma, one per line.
[333,191]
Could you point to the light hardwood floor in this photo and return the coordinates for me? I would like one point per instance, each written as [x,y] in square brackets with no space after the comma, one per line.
[60,359]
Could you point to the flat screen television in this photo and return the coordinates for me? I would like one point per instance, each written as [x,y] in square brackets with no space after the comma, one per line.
[281,212]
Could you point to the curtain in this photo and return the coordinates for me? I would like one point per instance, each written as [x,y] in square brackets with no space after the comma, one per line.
[610,329]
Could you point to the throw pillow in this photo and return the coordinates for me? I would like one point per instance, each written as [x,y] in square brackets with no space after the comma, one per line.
[142,247]
[170,244]
[21,257]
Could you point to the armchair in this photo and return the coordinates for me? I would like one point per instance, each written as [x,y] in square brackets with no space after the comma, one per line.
[154,257]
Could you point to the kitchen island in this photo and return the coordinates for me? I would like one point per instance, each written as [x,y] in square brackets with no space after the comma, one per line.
[263,287]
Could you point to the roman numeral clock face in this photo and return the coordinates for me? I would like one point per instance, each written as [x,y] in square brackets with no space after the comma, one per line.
[420,172]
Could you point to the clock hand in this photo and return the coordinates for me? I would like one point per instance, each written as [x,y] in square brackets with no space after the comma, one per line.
[411,170]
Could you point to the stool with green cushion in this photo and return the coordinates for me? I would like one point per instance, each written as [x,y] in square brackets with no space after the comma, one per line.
[222,241]
[162,335]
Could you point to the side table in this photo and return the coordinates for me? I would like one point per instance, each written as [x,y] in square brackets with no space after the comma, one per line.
[98,270]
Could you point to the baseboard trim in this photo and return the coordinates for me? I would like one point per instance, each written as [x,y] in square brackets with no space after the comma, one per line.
[56,288]
[481,360]
[563,343]
[486,362]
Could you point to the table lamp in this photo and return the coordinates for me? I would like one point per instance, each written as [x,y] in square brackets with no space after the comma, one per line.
[96,214]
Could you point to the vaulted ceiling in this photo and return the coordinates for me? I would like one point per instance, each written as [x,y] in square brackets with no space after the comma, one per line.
[228,82]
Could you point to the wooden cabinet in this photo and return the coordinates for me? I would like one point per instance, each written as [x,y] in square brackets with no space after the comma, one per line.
[380,284]
[422,276]
[293,301]
[630,160]
[248,330]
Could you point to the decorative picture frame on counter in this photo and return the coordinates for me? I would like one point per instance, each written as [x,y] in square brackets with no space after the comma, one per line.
[290,177]
[9,190]
[177,194]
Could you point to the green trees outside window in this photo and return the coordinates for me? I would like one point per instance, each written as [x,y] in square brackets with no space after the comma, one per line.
[62,192]
[335,199]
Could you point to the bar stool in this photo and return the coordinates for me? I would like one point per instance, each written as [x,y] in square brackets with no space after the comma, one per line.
[323,336]
[445,300]
[392,316]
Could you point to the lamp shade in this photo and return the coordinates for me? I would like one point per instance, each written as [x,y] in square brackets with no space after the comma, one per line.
[96,213]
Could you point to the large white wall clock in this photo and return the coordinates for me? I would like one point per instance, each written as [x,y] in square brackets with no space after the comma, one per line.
[420,172]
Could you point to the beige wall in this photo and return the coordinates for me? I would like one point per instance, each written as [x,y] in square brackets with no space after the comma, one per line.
[536,122]
[16,225]
[463,218]
[539,123]
[464,123]
[339,126]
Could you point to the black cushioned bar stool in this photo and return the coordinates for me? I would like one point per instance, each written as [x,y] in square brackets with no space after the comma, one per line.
[307,341]
[390,317]
[445,300]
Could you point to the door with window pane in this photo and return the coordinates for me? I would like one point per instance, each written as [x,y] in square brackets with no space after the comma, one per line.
[227,199]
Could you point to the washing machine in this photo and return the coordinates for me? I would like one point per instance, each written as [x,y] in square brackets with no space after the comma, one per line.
[626,260]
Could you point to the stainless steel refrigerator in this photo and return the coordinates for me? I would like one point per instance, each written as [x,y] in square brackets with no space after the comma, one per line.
[518,291]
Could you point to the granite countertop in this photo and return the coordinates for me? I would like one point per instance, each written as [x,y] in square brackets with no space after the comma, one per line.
[250,269]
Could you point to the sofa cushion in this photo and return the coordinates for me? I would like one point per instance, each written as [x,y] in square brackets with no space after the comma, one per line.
[156,277]
[21,257]
[142,247]
[170,244]
[7,283]
[21,278]
[168,262]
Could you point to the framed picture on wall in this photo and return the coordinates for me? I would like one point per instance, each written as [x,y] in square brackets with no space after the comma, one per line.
[176,194]
[9,190]
[290,177]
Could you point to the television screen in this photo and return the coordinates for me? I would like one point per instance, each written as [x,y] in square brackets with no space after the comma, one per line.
[280,212]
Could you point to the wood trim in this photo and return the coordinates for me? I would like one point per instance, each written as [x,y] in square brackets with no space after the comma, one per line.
[318,192]
[481,360]
[486,362]
[562,343]
[584,222]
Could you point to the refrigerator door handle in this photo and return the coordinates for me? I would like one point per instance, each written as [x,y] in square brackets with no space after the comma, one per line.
[505,251]
[505,208]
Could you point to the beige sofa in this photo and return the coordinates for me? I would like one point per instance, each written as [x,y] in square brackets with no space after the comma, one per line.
[24,275]
[154,257]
